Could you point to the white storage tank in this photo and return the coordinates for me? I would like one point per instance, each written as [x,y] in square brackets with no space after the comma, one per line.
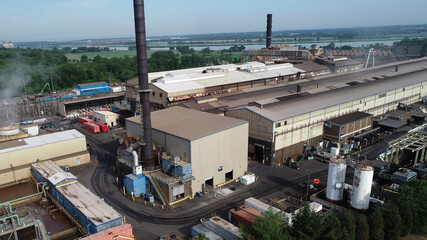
[336,179]
[362,184]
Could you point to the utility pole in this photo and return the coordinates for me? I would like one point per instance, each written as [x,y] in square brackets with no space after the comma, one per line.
[51,81]
[308,183]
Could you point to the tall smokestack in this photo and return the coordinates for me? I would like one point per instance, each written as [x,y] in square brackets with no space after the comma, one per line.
[147,155]
[269,21]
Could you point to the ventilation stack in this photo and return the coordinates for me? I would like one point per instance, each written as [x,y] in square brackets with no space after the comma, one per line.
[269,21]
[147,155]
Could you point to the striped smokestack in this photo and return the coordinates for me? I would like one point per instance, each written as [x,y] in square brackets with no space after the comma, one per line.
[269,21]
[147,155]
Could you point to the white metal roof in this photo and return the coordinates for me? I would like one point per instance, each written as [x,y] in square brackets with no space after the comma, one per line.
[178,81]
[106,113]
[39,140]
[60,177]
[95,209]
[178,87]
[315,102]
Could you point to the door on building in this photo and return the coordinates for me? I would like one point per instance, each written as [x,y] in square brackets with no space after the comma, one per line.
[209,184]
[259,152]
[229,175]
[178,192]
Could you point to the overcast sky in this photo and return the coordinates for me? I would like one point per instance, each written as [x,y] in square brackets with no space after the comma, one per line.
[30,20]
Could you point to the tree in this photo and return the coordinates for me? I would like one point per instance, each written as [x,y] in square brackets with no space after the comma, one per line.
[205,51]
[362,228]
[412,206]
[376,225]
[268,226]
[392,221]
[332,229]
[84,58]
[306,224]
[330,46]
[201,236]
[349,223]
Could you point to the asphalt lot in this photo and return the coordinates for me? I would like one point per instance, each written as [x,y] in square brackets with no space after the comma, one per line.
[151,222]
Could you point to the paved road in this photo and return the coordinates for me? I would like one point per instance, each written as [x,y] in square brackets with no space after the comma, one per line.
[149,222]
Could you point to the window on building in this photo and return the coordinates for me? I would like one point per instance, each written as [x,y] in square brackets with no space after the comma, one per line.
[278,124]
[286,123]
[403,89]
[160,95]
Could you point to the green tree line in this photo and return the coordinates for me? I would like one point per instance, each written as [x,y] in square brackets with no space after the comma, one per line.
[39,67]
[404,214]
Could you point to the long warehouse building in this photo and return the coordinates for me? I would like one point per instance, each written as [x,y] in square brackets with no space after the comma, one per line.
[280,127]
[66,148]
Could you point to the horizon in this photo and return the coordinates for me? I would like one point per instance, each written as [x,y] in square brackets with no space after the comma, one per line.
[60,20]
[196,34]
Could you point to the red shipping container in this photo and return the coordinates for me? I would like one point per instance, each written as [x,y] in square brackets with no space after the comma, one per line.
[242,217]
[102,126]
[83,120]
[123,232]
[93,128]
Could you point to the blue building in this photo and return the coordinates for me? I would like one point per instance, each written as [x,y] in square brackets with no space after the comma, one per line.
[86,89]
[90,211]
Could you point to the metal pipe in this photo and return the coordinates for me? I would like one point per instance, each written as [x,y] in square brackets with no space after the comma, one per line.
[269,21]
[147,155]
[11,216]
[7,203]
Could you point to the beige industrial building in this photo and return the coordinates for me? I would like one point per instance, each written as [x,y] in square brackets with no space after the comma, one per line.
[107,117]
[280,127]
[66,148]
[171,87]
[216,146]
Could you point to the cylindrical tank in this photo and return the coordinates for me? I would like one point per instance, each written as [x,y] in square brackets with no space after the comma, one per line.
[9,131]
[336,179]
[362,184]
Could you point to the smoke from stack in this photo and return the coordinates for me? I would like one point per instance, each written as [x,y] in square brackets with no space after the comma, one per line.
[147,154]
[269,22]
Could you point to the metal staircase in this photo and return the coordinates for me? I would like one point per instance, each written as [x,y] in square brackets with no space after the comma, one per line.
[159,191]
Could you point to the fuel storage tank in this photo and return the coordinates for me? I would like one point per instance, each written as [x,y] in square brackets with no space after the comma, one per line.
[336,179]
[362,184]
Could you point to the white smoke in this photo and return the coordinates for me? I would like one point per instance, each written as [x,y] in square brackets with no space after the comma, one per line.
[13,78]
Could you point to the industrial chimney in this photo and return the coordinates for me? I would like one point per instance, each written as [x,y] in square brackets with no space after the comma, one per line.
[147,155]
[269,20]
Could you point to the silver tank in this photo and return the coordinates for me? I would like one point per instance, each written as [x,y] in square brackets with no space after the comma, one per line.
[362,184]
[336,179]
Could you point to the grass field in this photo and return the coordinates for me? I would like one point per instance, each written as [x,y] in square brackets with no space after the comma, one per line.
[130,53]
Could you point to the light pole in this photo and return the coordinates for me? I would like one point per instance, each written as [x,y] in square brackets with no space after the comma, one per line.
[308,183]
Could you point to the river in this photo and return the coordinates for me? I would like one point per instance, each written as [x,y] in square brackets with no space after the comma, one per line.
[259,46]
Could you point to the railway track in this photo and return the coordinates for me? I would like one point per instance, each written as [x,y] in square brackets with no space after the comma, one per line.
[101,182]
